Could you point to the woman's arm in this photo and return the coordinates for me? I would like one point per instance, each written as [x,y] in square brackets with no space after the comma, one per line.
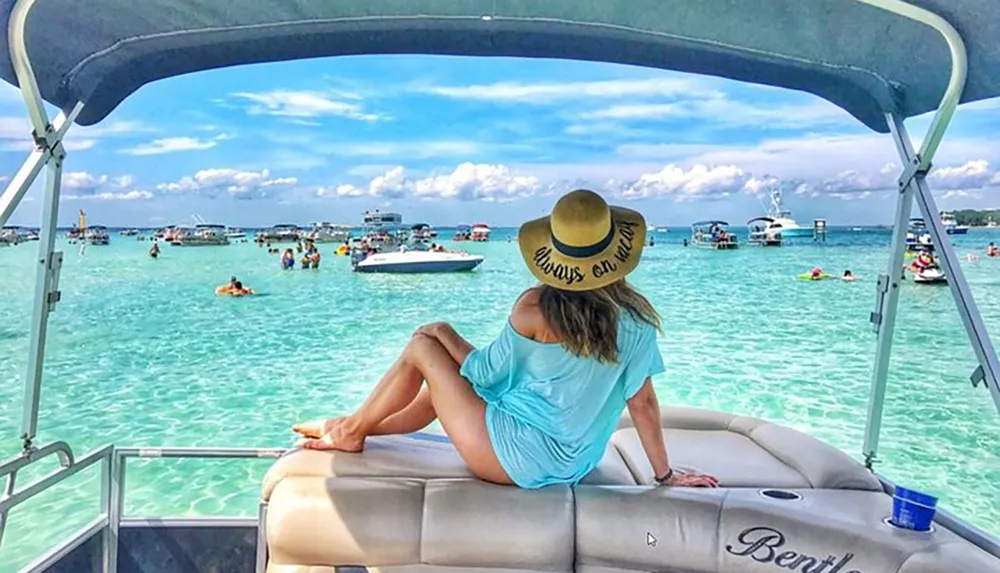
[644,409]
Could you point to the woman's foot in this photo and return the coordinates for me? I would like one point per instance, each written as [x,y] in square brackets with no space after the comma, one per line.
[338,438]
[317,428]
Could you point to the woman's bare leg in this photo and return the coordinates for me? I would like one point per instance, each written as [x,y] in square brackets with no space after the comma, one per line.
[462,412]
[415,417]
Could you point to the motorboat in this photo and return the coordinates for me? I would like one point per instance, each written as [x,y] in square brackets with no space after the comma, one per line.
[918,238]
[422,233]
[128,232]
[713,234]
[462,233]
[29,235]
[96,235]
[781,218]
[786,502]
[951,225]
[284,233]
[480,233]
[329,233]
[10,236]
[202,235]
[235,233]
[414,260]
[763,233]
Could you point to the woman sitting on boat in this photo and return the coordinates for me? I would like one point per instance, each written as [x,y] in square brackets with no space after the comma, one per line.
[538,405]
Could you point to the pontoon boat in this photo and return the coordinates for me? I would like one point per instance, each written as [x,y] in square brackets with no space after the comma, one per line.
[787,501]
[96,235]
[918,239]
[328,233]
[713,235]
[462,233]
[202,235]
[480,233]
[422,233]
[10,236]
[284,233]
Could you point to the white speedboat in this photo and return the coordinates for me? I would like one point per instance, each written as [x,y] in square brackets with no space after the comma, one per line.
[786,501]
[128,232]
[96,235]
[202,235]
[951,225]
[414,261]
[235,233]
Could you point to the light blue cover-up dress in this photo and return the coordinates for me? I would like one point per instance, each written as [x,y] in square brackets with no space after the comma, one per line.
[550,414]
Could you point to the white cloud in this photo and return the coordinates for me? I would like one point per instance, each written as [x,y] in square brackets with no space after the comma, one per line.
[411,149]
[972,175]
[240,184]
[551,92]
[175,144]
[469,181]
[303,104]
[82,181]
[720,109]
[133,195]
[15,134]
[697,183]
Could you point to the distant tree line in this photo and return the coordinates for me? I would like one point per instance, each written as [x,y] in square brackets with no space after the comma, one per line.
[976,218]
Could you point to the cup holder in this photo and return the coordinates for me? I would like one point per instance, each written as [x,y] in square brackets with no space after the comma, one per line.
[780,494]
[888,521]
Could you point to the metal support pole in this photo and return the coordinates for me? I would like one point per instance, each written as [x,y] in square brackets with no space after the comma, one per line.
[8,490]
[884,316]
[260,565]
[33,165]
[112,500]
[46,296]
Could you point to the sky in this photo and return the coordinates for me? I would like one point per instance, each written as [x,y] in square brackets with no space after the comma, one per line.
[452,140]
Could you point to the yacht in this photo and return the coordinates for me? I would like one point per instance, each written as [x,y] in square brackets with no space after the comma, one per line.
[781,218]
[480,233]
[951,226]
[329,233]
[378,218]
[96,235]
[284,233]
[202,235]
[713,234]
[787,501]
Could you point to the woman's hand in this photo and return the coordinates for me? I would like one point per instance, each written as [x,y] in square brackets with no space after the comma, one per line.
[692,479]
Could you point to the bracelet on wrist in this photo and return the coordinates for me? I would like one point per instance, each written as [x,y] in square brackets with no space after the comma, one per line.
[665,477]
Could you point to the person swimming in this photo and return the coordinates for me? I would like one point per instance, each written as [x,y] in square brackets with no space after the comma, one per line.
[992,250]
[816,273]
[154,251]
[849,276]
[234,288]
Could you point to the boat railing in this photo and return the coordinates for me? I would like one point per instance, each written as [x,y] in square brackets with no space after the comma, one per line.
[113,462]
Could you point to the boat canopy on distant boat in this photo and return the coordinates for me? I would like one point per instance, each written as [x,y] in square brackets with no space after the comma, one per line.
[281,233]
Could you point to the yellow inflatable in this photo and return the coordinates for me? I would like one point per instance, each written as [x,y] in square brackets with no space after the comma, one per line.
[809,277]
[343,250]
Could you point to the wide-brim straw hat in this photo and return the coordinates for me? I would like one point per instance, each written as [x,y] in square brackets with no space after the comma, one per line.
[585,244]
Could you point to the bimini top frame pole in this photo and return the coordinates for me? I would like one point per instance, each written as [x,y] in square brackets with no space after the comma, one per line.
[913,185]
[49,152]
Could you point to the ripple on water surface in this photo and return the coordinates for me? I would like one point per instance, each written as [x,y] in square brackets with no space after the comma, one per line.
[142,353]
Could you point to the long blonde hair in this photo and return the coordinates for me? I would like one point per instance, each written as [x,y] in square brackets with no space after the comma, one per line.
[586,322]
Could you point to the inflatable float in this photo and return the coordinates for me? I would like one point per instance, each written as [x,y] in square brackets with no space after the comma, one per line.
[810,277]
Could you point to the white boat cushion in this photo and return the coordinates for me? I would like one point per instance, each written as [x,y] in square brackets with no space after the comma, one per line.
[744,452]
[378,522]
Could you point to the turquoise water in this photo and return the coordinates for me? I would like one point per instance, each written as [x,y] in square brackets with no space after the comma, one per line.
[142,353]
